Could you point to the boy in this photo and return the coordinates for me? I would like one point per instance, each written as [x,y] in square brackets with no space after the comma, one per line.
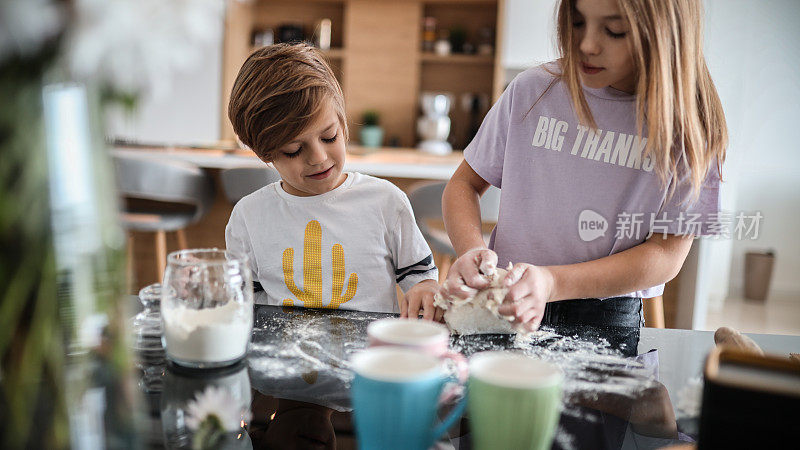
[321,237]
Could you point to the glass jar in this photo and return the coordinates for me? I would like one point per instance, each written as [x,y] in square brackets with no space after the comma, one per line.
[147,339]
[207,307]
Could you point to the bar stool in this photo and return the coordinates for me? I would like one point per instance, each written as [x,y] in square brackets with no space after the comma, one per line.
[426,202]
[653,310]
[241,181]
[165,185]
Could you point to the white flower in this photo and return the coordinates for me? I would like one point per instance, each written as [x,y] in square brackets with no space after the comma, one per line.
[26,24]
[218,402]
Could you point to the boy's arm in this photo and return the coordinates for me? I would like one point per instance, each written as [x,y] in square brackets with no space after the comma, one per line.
[420,297]
[648,264]
[415,270]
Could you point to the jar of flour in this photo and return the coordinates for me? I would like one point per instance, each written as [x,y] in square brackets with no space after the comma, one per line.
[207,307]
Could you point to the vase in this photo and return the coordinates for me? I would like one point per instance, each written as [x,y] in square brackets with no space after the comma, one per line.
[66,370]
[371,136]
[89,256]
[32,401]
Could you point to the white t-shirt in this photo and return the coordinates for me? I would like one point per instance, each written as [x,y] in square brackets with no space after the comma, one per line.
[342,249]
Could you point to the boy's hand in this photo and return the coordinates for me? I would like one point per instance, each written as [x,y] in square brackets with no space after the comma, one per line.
[470,272]
[529,291]
[420,297]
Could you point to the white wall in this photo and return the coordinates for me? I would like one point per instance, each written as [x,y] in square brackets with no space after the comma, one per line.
[529,37]
[753,49]
[188,114]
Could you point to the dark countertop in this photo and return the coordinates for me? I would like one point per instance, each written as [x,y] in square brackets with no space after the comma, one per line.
[624,387]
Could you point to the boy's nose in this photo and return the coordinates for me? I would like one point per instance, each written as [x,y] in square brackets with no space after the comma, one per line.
[317,155]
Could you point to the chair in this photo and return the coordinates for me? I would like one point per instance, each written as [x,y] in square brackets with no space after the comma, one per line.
[239,182]
[426,201]
[653,310]
[165,186]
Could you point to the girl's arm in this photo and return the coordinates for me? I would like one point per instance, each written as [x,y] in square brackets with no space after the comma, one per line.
[461,209]
[648,264]
[651,263]
[462,218]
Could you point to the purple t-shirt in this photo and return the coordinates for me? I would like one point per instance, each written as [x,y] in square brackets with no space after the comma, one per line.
[571,194]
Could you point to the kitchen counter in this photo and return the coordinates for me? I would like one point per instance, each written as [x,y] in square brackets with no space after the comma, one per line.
[384,162]
[623,387]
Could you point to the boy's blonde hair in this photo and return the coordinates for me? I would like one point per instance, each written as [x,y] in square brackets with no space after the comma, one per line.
[278,93]
[675,95]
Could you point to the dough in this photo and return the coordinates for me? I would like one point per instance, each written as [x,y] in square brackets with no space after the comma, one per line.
[478,314]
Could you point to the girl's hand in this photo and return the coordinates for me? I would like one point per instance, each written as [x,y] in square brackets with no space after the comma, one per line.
[470,272]
[530,288]
[420,297]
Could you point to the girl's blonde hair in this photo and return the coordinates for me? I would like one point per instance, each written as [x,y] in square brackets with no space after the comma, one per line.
[675,95]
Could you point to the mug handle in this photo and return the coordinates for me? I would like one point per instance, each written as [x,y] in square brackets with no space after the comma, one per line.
[462,367]
[448,421]
[455,388]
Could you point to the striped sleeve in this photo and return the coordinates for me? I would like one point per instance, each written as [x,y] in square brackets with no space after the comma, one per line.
[421,268]
[413,260]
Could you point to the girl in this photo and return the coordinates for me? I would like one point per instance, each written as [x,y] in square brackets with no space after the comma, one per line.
[609,164]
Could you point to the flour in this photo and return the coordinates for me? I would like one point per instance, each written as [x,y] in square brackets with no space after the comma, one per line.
[592,368]
[208,335]
[690,398]
[288,346]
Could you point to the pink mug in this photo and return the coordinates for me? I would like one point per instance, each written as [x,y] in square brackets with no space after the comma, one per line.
[424,335]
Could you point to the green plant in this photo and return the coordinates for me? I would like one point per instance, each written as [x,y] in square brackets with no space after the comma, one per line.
[371,118]
[31,351]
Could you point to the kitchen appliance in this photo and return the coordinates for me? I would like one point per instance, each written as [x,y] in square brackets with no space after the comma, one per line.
[323,34]
[434,126]
[291,33]
[264,37]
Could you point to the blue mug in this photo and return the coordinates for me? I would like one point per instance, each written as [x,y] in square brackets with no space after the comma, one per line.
[395,395]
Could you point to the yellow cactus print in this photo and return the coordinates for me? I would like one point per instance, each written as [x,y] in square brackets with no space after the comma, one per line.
[311,295]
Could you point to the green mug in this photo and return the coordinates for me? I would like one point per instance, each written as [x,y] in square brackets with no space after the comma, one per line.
[514,401]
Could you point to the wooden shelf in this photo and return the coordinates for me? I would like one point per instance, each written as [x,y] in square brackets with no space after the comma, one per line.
[456,58]
[333,53]
[376,56]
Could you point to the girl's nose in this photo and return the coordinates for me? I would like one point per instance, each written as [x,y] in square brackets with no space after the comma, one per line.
[590,44]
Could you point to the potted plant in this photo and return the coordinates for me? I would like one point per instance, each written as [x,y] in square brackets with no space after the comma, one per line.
[371,132]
